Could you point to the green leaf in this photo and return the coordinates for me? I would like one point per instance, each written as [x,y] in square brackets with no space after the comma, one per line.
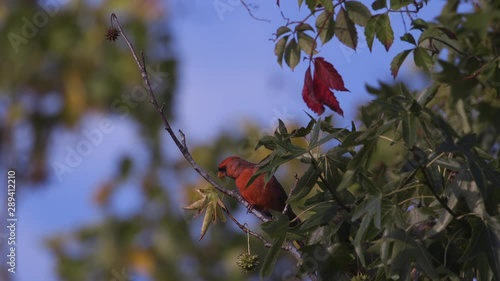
[268,142]
[398,4]
[313,139]
[303,27]
[485,238]
[289,147]
[328,4]
[282,30]
[345,30]
[431,32]
[324,213]
[423,59]
[272,165]
[362,156]
[326,139]
[311,4]
[419,24]
[306,43]
[411,249]
[358,12]
[425,96]
[407,37]
[304,185]
[347,180]
[272,257]
[302,132]
[277,227]
[282,128]
[370,30]
[292,54]
[379,4]
[384,31]
[279,49]
[409,128]
[379,26]
[450,34]
[325,25]
[397,61]
[359,239]
[477,173]
[277,230]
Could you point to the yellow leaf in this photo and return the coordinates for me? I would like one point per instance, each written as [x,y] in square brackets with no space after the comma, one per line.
[209,216]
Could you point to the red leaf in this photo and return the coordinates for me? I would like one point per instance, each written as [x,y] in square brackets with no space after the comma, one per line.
[309,96]
[328,74]
[325,95]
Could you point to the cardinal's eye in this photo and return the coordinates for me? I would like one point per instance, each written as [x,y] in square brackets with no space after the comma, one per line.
[222,169]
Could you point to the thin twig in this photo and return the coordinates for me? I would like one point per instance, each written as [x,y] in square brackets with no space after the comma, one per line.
[438,198]
[183,138]
[246,229]
[315,42]
[332,191]
[454,48]
[168,128]
[287,246]
[250,12]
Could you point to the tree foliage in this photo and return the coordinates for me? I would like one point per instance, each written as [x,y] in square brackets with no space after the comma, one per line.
[413,193]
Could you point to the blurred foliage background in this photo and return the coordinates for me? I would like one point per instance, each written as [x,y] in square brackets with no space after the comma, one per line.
[57,71]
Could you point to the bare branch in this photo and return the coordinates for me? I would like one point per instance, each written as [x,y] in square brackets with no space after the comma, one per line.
[250,12]
[182,147]
[287,247]
[181,144]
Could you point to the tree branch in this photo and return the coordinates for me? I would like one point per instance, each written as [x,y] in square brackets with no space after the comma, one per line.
[180,143]
[287,247]
[250,12]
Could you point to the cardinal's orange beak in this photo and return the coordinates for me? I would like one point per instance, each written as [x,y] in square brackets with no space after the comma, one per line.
[221,175]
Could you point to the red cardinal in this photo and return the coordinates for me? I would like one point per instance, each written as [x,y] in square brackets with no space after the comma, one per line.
[261,196]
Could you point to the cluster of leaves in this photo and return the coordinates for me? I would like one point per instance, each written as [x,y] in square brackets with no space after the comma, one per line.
[413,194]
[332,20]
[432,212]
[317,91]
[211,204]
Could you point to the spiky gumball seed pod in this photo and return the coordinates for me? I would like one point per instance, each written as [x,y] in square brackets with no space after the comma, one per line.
[112,34]
[247,262]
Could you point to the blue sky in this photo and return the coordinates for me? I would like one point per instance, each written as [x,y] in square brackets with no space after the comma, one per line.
[228,75]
